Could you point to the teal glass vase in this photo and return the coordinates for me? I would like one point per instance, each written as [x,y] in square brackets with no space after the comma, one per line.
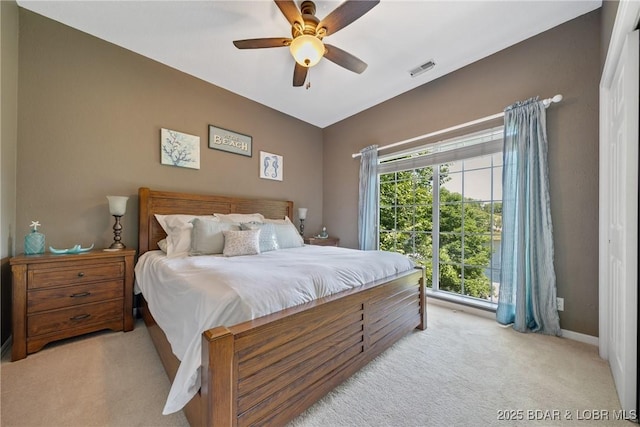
[34,243]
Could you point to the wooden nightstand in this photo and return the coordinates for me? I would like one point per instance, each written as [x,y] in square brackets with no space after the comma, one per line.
[62,296]
[329,241]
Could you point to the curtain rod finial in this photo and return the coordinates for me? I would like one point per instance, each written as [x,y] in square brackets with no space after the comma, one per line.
[549,101]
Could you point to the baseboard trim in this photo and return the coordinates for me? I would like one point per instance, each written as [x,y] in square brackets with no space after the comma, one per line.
[6,346]
[575,336]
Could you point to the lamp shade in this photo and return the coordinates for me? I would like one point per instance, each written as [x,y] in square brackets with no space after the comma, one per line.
[302,213]
[307,50]
[117,205]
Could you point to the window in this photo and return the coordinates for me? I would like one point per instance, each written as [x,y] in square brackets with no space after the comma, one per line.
[441,204]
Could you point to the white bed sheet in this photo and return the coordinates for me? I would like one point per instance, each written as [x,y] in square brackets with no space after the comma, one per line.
[189,295]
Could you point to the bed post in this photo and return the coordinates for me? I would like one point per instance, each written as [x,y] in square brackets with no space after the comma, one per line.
[218,388]
[143,220]
[423,302]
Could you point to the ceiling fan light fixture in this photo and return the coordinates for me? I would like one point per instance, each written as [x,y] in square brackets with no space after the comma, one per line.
[307,50]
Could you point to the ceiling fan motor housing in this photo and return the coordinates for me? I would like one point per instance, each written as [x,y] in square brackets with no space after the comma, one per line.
[308,12]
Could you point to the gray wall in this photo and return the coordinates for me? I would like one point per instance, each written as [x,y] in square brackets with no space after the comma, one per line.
[564,60]
[609,11]
[90,115]
[89,126]
[8,149]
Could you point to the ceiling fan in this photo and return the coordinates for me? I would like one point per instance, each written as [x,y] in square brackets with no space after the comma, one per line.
[307,46]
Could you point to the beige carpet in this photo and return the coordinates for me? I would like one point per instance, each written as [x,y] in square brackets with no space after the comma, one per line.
[462,371]
[105,379]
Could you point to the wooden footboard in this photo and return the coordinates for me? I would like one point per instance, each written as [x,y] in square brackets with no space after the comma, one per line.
[271,369]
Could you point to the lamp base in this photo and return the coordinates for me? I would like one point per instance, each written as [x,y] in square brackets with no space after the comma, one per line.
[117,229]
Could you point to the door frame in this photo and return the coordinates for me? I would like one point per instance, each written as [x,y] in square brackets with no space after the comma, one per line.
[626,21]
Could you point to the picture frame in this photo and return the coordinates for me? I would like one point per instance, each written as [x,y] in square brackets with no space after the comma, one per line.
[179,149]
[230,141]
[271,166]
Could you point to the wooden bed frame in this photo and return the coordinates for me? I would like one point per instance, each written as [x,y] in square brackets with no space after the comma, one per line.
[269,370]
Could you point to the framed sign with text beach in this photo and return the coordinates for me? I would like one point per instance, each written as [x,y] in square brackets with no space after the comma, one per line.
[233,142]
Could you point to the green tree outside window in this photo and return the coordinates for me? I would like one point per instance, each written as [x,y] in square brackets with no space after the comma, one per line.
[466,229]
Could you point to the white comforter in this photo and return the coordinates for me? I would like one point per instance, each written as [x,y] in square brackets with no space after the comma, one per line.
[189,295]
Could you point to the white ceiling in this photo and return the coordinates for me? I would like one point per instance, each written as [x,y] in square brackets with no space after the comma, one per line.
[393,38]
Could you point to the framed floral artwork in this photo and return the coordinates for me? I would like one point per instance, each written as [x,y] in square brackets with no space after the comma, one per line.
[179,149]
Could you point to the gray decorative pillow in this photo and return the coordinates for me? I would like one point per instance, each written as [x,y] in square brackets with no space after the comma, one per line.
[285,220]
[288,236]
[243,242]
[238,218]
[207,237]
[268,240]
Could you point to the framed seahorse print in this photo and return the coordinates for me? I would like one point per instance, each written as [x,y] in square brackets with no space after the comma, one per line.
[271,166]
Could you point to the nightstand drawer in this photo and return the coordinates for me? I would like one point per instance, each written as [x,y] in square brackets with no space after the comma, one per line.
[47,277]
[58,320]
[318,241]
[68,296]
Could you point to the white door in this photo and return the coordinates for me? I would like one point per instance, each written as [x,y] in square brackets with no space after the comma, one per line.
[619,169]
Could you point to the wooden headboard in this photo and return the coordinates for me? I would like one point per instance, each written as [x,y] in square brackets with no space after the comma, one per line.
[169,203]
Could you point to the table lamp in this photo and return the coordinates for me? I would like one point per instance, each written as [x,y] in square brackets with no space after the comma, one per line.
[302,215]
[117,208]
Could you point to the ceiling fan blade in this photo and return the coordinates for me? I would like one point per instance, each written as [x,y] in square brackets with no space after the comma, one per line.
[262,43]
[290,11]
[299,75]
[345,14]
[344,59]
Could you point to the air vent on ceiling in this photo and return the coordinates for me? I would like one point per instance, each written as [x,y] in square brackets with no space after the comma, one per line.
[422,68]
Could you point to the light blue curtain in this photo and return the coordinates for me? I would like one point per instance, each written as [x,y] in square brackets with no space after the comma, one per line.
[368,199]
[527,295]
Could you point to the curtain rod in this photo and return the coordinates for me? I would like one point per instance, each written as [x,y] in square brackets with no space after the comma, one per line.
[546,103]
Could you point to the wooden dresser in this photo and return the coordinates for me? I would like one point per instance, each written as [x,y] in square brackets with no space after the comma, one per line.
[62,296]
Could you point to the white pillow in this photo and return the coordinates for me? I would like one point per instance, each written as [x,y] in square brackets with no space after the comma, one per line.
[207,237]
[243,242]
[240,218]
[178,228]
[268,240]
[288,236]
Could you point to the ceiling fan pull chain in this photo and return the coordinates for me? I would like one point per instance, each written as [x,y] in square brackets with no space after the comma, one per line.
[308,85]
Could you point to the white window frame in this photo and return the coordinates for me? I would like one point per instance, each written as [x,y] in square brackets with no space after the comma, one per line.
[468,146]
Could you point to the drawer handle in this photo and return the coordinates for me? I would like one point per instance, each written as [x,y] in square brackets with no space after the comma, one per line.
[81,294]
[81,274]
[80,317]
